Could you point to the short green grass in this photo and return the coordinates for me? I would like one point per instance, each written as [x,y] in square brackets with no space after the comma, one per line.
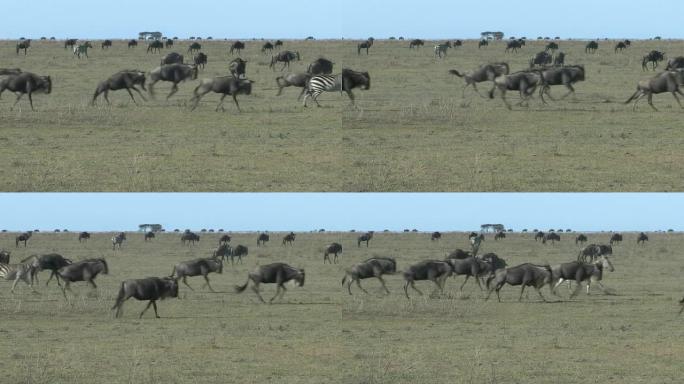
[320,334]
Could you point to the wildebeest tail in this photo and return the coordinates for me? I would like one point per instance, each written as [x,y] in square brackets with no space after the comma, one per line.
[120,296]
[241,288]
[455,72]
[633,95]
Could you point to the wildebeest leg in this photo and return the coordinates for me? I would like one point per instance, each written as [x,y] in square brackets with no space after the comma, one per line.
[220,104]
[174,89]
[236,103]
[146,308]
[255,288]
[465,281]
[208,285]
[335,259]
[522,290]
[560,281]
[186,283]
[358,284]
[540,294]
[351,97]
[578,288]
[326,257]
[139,93]
[131,94]
[413,285]
[49,278]
[674,93]
[300,94]
[650,101]
[92,282]
[571,90]
[503,97]
[17,100]
[279,286]
[382,281]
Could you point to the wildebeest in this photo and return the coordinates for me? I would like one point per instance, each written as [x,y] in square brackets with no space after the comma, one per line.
[514,45]
[615,238]
[127,79]
[194,47]
[118,240]
[334,249]
[675,63]
[346,81]
[552,237]
[237,68]
[487,72]
[85,270]
[416,43]
[482,43]
[591,47]
[106,44]
[593,251]
[373,267]
[581,239]
[320,66]
[289,238]
[566,76]
[149,236]
[526,275]
[620,46]
[174,73]
[435,236]
[51,262]
[172,58]
[225,251]
[237,47]
[70,43]
[82,49]
[26,83]
[83,236]
[25,45]
[470,267]
[668,81]
[365,45]
[4,256]
[225,239]
[539,235]
[198,267]
[132,43]
[500,235]
[525,82]
[551,46]
[200,59]
[276,273]
[559,59]
[150,288]
[24,237]
[294,80]
[155,46]
[9,71]
[436,271]
[267,47]
[643,238]
[540,59]
[278,44]
[168,43]
[238,252]
[653,57]
[580,272]
[17,272]
[365,237]
[494,262]
[189,238]
[225,85]
[262,239]
[441,49]
[459,254]
[283,57]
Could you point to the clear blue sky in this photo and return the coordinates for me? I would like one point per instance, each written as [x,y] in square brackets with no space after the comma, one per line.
[347,18]
[342,211]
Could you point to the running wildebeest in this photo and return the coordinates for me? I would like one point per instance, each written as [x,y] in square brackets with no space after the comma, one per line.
[283,57]
[459,254]
[24,237]
[320,66]
[365,237]
[168,43]
[51,262]
[482,43]
[591,47]
[17,272]
[675,63]
[615,238]
[26,83]
[373,267]
[566,76]
[174,73]
[172,58]
[276,273]
[416,43]
[85,270]
[295,80]
[9,71]
[643,238]
[200,59]
[149,236]
[70,43]
[106,44]
[225,239]
[150,288]
[540,59]
[539,235]
[441,49]
[593,251]
[334,249]
[267,47]
[514,45]
[500,235]
[653,57]
[4,256]
[552,237]
[194,47]
[487,72]
[581,239]
[365,45]
[559,59]
[132,43]
[669,81]
[225,85]
[580,272]
[237,68]
[262,239]
[524,82]
[289,238]
[436,271]
[346,81]
[237,47]
[198,267]
[155,46]
[435,236]
[526,275]
[82,49]
[83,236]
[118,240]
[25,45]
[189,238]
[471,267]
[121,80]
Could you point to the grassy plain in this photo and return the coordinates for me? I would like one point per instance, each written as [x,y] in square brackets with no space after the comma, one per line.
[319,334]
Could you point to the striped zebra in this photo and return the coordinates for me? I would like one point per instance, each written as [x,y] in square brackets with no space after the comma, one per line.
[16,272]
[82,49]
[118,240]
[442,49]
[346,81]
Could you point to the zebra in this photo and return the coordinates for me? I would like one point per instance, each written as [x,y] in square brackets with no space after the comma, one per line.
[442,49]
[118,240]
[346,81]
[16,272]
[82,49]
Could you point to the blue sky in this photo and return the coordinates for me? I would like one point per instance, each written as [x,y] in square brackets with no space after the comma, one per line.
[341,211]
[347,18]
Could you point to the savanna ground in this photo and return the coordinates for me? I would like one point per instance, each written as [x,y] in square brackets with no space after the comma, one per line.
[320,334]
[412,131]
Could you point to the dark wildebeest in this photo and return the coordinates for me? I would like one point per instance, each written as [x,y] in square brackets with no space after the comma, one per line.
[225,85]
[482,43]
[320,66]
[675,63]
[334,248]
[283,57]
[132,43]
[200,59]
[262,239]
[174,73]
[552,237]
[26,83]
[238,252]
[189,238]
[559,59]
[4,256]
[540,59]
[620,46]
[365,45]
[237,68]
[83,236]
[566,76]
[70,43]
[106,44]
[289,238]
[149,236]
[346,81]
[514,45]
[471,267]
[278,44]
[653,57]
[172,58]
[441,49]
[487,72]
[168,43]
[436,271]
[374,267]
[525,82]
[121,80]
[9,71]
[581,239]
[580,272]
[552,46]
[225,239]
[539,235]
[150,288]
[267,47]
[494,262]
[527,275]
[51,262]
[24,237]
[237,47]
[278,273]
[25,45]
[365,237]
[435,236]
[643,238]
[85,270]
[500,235]
[591,47]
[459,254]
[194,47]
[295,80]
[615,238]
[118,240]
[416,43]
[225,251]
[669,81]
[593,251]
[155,46]
[198,267]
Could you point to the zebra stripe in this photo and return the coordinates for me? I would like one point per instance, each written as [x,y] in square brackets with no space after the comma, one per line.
[322,83]
[17,272]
